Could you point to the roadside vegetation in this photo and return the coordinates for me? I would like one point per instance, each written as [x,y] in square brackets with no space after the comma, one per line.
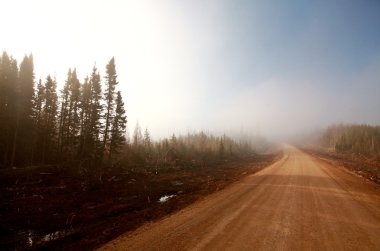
[192,146]
[354,147]
[70,176]
[357,139]
[84,124]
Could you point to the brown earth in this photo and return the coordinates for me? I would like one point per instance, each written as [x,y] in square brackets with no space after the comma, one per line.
[362,165]
[66,208]
[299,203]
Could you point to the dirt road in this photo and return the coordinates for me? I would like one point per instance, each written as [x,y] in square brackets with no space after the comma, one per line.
[298,203]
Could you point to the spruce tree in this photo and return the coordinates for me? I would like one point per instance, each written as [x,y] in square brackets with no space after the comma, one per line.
[147,144]
[118,127]
[49,120]
[85,115]
[24,124]
[32,132]
[69,121]
[26,80]
[64,116]
[9,108]
[147,140]
[96,125]
[111,82]
[39,103]
[137,137]
[74,115]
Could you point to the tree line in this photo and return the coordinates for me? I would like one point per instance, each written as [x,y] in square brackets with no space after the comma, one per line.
[39,125]
[189,147]
[359,139]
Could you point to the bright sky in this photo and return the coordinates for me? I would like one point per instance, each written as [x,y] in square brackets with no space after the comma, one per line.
[277,67]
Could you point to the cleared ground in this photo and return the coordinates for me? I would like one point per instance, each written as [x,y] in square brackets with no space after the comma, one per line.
[69,208]
[298,203]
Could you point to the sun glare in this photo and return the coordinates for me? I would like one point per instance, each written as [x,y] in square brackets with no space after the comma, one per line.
[151,52]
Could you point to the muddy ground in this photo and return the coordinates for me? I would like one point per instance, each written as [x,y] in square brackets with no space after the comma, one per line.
[63,208]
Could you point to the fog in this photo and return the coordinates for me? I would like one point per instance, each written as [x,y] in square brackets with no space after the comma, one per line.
[282,108]
[264,68]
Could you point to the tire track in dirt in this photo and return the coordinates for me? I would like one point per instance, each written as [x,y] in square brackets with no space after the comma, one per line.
[297,203]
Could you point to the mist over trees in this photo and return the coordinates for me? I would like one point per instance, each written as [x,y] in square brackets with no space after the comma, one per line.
[40,125]
[197,146]
[358,139]
[83,125]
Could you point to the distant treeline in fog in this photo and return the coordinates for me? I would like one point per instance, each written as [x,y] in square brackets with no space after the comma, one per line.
[193,146]
[359,139]
[84,123]
[39,125]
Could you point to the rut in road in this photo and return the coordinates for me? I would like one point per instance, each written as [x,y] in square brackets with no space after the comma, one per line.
[298,203]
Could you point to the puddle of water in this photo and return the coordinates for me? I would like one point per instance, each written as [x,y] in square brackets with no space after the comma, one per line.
[176,183]
[165,198]
[34,240]
[30,238]
[53,236]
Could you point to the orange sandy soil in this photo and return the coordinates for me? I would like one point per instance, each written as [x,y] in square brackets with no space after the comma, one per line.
[364,166]
[301,202]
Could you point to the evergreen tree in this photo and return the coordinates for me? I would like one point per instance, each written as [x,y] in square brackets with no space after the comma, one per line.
[147,140]
[49,120]
[24,125]
[74,116]
[69,119]
[31,131]
[137,137]
[221,146]
[118,127]
[85,116]
[9,108]
[109,96]
[173,141]
[64,116]
[39,102]
[90,117]
[26,80]
[147,144]
[96,126]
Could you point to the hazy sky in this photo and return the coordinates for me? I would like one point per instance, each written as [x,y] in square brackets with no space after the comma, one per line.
[274,67]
